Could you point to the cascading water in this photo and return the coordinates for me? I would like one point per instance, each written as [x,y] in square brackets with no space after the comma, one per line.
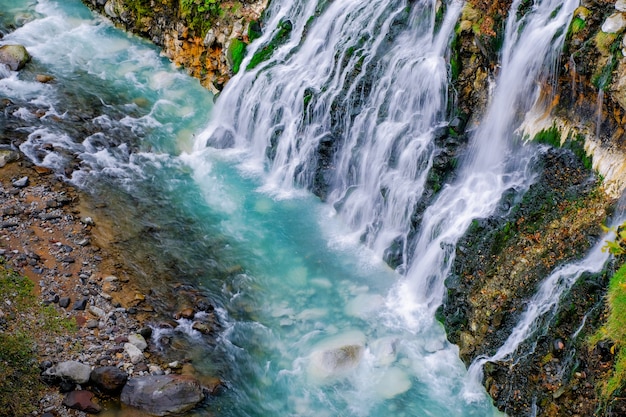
[341,84]
[348,104]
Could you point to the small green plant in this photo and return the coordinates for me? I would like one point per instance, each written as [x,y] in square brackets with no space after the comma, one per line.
[199,13]
[615,327]
[616,246]
[615,330]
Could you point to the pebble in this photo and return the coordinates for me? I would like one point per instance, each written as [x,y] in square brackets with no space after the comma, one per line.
[97,311]
[80,304]
[21,183]
[64,302]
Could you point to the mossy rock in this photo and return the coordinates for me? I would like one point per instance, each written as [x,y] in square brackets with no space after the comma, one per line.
[14,56]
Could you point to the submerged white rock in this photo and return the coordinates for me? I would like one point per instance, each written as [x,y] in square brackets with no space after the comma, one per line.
[337,356]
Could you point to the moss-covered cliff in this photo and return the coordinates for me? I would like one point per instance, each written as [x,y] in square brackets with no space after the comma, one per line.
[501,260]
[201,36]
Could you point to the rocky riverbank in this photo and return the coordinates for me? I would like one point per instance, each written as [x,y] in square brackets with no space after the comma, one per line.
[47,235]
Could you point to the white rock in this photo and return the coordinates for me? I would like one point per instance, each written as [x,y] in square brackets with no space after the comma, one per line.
[620,5]
[138,340]
[74,371]
[209,38]
[109,9]
[97,311]
[133,353]
[614,23]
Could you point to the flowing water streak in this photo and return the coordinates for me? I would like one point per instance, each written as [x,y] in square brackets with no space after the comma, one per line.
[532,42]
[542,304]
[365,82]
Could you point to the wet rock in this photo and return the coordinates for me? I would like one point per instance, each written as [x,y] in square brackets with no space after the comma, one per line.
[109,379]
[21,183]
[14,56]
[201,327]
[162,395]
[81,400]
[186,313]
[333,362]
[8,155]
[44,78]
[146,332]
[73,371]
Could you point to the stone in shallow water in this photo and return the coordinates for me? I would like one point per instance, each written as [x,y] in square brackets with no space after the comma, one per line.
[335,357]
[14,56]
[393,382]
[81,400]
[162,395]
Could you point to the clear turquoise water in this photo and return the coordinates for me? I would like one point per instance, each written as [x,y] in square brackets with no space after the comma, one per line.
[305,293]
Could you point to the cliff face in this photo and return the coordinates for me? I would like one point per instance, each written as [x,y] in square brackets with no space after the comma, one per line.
[197,35]
[502,259]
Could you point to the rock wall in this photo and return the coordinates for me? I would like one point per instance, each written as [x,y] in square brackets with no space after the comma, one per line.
[196,35]
[501,260]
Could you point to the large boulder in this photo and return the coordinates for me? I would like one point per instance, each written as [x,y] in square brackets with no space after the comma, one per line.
[162,395]
[14,56]
[71,371]
[109,379]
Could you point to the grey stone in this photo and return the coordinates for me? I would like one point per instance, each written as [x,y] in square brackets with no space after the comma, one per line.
[72,371]
[21,183]
[109,379]
[162,395]
[64,302]
[133,353]
[138,340]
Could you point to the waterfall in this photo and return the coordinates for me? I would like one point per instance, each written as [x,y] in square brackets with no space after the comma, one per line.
[338,100]
[350,102]
[532,43]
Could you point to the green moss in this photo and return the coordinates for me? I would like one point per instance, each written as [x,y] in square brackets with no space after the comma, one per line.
[615,330]
[254,31]
[550,136]
[199,14]
[263,54]
[455,58]
[236,53]
[24,318]
[577,25]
